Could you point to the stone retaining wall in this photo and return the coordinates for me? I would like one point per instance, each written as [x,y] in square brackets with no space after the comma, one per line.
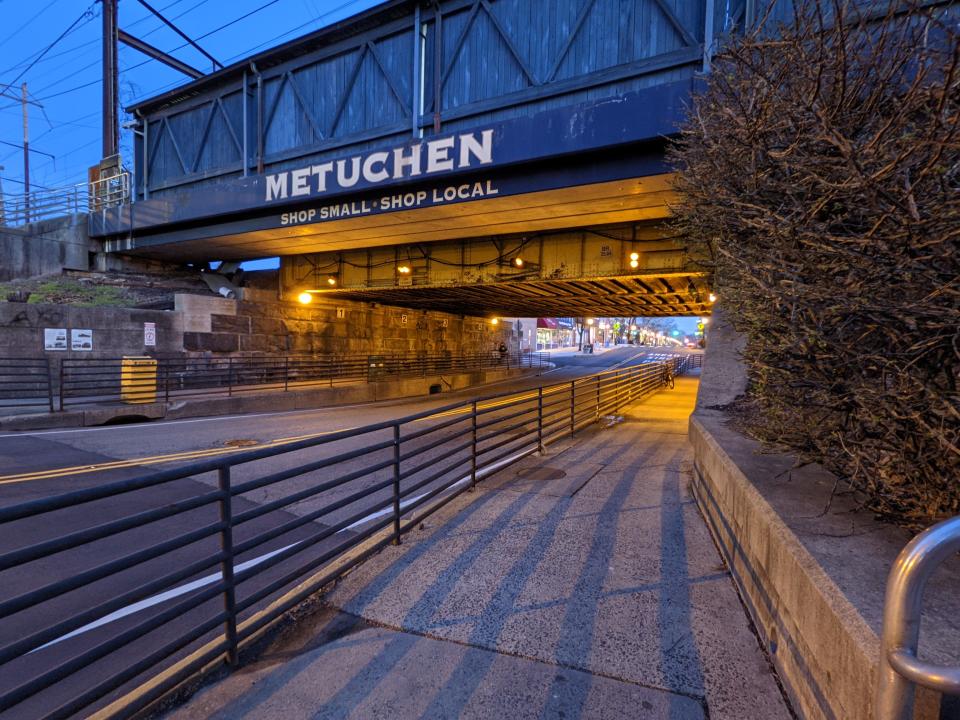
[256,324]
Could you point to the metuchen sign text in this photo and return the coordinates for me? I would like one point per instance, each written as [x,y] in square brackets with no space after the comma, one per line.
[457,152]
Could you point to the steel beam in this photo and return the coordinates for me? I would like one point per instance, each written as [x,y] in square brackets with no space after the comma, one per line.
[157,54]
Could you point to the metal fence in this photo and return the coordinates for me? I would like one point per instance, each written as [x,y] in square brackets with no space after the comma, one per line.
[25,384]
[274,524]
[57,202]
[111,380]
[900,668]
[30,384]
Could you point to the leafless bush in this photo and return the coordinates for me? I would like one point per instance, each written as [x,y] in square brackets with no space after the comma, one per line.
[821,173]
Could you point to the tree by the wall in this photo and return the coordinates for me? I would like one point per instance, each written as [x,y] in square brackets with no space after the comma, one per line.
[821,170]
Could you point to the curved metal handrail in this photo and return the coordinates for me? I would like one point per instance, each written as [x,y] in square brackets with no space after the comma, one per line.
[900,668]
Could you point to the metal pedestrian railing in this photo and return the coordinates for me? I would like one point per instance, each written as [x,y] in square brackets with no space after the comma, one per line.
[25,384]
[111,380]
[900,669]
[19,209]
[31,384]
[105,600]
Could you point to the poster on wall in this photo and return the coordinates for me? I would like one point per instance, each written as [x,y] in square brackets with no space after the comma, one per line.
[54,338]
[150,334]
[81,340]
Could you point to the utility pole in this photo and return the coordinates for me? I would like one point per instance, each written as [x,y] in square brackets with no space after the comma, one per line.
[111,131]
[3,214]
[26,153]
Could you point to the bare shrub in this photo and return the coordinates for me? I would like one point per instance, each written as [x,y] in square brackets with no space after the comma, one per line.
[821,173]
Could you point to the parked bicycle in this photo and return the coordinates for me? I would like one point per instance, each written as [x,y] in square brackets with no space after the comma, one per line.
[667,376]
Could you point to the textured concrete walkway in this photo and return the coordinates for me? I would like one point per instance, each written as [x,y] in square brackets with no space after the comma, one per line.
[583,584]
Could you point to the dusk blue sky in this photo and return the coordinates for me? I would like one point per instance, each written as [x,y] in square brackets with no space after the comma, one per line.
[67,79]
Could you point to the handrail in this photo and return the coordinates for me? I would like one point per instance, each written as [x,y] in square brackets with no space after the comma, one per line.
[57,202]
[900,668]
[27,383]
[396,473]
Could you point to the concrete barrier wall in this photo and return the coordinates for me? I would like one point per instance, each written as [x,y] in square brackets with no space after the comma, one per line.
[824,650]
[44,247]
[116,331]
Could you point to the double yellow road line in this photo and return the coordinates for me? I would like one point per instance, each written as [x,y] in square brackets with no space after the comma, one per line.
[214,452]
[149,460]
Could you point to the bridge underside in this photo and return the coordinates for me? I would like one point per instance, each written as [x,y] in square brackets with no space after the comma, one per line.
[599,250]
[646,295]
[591,249]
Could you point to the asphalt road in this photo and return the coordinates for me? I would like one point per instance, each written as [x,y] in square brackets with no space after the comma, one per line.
[43,463]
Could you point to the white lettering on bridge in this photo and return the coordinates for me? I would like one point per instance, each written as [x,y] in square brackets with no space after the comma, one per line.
[444,154]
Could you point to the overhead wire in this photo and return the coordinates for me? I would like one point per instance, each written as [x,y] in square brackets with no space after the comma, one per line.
[178,47]
[97,62]
[96,41]
[248,51]
[40,57]
[60,37]
[33,17]
[55,129]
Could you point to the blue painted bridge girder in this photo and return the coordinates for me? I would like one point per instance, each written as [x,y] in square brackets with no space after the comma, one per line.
[554,83]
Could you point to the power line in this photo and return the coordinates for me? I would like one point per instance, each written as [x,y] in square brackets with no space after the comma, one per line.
[30,57]
[293,30]
[122,48]
[62,35]
[21,182]
[56,129]
[241,54]
[179,47]
[73,89]
[32,18]
[96,41]
[234,22]
[248,51]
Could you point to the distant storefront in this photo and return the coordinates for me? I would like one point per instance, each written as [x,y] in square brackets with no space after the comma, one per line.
[554,333]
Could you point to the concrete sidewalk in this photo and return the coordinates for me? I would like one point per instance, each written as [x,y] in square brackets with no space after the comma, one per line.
[583,584]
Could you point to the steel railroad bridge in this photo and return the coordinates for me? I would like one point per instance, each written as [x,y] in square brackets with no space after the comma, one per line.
[477,156]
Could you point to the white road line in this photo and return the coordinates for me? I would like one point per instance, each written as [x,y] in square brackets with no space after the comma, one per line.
[215,577]
[624,362]
[162,597]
